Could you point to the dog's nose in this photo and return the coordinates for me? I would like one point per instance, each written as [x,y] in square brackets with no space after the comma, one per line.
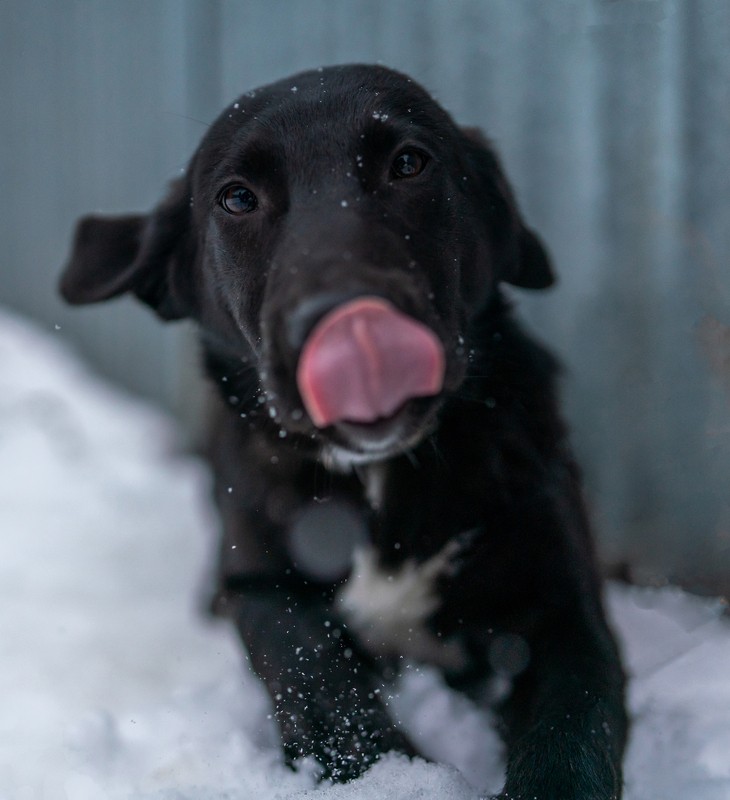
[304,317]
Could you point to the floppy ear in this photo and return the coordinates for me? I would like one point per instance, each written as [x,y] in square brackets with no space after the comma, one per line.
[142,254]
[521,256]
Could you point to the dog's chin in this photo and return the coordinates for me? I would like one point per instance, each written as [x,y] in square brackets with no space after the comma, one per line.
[347,444]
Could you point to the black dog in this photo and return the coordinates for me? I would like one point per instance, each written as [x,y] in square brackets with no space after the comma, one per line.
[341,243]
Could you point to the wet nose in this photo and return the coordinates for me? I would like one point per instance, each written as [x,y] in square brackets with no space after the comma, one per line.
[310,310]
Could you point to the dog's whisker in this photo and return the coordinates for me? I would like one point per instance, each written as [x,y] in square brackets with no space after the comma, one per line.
[188,118]
[435,447]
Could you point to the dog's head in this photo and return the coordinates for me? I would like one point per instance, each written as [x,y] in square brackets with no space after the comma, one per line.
[338,232]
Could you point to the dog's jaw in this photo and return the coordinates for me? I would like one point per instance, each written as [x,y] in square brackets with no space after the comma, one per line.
[351,444]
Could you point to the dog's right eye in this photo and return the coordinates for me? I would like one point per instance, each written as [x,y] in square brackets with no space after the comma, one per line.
[238,199]
[408,164]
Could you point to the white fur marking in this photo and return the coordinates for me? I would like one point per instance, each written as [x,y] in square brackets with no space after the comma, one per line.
[388,611]
[375,485]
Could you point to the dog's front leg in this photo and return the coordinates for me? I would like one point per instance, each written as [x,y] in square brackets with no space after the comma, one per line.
[565,719]
[325,695]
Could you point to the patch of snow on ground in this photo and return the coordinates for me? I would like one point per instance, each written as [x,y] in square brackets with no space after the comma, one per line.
[116,686]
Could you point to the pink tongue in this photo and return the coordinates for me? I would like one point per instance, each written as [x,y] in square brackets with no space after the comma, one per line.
[364,360]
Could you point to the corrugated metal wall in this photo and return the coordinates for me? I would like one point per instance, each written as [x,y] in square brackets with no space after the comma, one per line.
[613,118]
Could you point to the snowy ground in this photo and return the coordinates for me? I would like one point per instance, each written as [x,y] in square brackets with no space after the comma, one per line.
[114,686]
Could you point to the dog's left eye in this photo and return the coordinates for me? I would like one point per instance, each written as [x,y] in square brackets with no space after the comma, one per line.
[408,164]
[238,199]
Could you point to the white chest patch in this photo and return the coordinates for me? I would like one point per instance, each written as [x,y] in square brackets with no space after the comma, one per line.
[388,610]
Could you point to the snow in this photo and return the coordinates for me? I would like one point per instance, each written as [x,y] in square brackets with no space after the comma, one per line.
[116,685]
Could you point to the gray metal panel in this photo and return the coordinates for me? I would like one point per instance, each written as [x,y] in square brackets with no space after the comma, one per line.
[613,119]
[94,99]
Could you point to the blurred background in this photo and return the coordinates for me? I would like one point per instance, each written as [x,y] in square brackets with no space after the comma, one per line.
[613,119]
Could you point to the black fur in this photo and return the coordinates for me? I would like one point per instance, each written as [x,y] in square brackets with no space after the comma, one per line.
[485,464]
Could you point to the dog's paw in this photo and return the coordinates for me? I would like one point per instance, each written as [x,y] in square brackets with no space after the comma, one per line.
[344,757]
[344,744]
[560,765]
